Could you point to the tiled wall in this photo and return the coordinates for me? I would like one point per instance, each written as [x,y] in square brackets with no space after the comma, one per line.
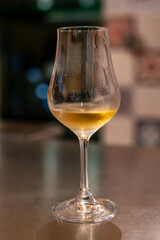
[135,42]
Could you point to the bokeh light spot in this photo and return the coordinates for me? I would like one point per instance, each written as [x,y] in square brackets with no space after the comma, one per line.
[34,75]
[45,105]
[45,5]
[87,3]
[41,91]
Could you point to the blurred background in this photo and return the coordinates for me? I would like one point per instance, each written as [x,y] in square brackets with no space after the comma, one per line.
[27,49]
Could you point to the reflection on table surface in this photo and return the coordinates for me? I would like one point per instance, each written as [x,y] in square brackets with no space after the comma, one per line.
[68,231]
[36,174]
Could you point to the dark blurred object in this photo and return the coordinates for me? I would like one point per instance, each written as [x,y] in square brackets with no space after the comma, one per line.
[148,71]
[123,33]
[59,10]
[148,132]
[119,27]
[135,44]
[27,45]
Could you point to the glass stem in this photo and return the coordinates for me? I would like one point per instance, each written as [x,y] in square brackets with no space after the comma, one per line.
[84,196]
[84,143]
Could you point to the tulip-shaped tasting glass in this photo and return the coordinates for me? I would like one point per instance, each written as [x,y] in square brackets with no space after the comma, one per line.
[83,95]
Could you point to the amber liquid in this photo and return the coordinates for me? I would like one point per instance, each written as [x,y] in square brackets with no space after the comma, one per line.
[82,120]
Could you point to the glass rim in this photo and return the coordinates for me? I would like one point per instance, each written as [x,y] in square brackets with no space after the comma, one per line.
[82,28]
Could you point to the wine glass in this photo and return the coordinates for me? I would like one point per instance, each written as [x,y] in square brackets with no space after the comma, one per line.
[83,95]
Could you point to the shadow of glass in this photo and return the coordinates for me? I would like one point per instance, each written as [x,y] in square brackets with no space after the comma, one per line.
[58,230]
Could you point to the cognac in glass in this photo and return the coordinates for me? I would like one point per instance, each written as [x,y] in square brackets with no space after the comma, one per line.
[83,95]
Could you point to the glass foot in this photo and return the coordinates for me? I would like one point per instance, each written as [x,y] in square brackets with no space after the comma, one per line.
[98,211]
